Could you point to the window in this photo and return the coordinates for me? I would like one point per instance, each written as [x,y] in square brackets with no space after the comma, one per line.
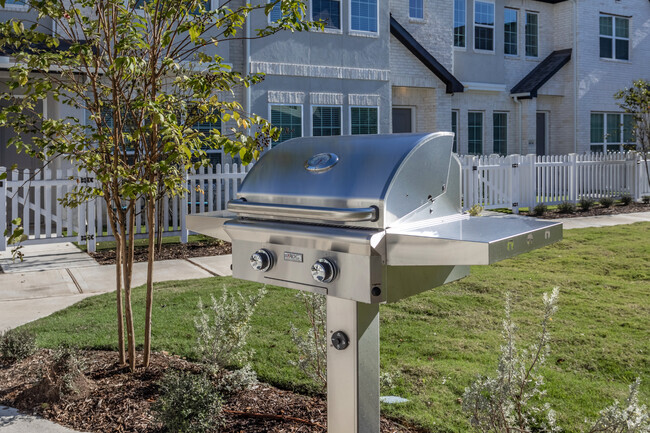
[276,13]
[215,156]
[532,34]
[328,11]
[416,9]
[364,120]
[614,37]
[288,118]
[16,4]
[500,133]
[474,133]
[326,121]
[612,132]
[363,15]
[510,23]
[459,23]
[483,26]
[454,129]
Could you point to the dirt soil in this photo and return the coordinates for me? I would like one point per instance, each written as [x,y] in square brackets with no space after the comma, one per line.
[170,251]
[615,209]
[117,401]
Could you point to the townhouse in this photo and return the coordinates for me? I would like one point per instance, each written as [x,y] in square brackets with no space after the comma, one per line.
[507,76]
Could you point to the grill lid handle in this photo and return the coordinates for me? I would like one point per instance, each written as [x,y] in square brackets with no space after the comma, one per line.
[312,213]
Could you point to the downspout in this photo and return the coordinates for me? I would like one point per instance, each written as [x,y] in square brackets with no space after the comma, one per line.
[575,75]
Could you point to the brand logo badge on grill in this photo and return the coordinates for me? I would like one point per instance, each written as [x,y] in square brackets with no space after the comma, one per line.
[292,257]
[321,162]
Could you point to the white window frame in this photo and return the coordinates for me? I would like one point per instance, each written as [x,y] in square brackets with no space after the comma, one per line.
[367,33]
[16,8]
[339,31]
[507,126]
[453,26]
[516,11]
[363,106]
[483,141]
[302,115]
[416,18]
[313,108]
[525,20]
[613,38]
[493,26]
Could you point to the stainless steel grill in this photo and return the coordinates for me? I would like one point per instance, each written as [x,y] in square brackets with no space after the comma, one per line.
[363,220]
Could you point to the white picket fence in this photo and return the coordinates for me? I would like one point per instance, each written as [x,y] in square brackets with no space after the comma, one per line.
[517,181]
[34,197]
[493,182]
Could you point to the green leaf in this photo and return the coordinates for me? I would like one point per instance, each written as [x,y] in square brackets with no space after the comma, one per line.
[18,27]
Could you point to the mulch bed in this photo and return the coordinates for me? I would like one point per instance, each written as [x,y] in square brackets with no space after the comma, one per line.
[118,401]
[170,251]
[595,211]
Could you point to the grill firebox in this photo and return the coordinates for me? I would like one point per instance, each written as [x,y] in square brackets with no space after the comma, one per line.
[364,220]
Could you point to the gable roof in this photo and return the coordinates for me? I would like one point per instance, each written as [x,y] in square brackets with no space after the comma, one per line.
[402,35]
[531,83]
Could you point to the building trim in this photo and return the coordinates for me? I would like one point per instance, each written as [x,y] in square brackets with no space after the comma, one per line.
[484,87]
[319,71]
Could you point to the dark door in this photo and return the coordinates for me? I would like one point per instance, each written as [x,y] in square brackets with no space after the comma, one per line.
[541,133]
[8,155]
[402,120]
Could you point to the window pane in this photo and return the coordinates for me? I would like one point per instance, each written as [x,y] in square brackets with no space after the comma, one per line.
[416,9]
[622,49]
[326,121]
[622,28]
[500,133]
[532,35]
[484,38]
[328,11]
[613,147]
[484,13]
[597,128]
[628,129]
[276,13]
[454,129]
[606,50]
[475,133]
[459,23]
[606,26]
[613,128]
[510,32]
[364,120]
[363,14]
[289,119]
[597,148]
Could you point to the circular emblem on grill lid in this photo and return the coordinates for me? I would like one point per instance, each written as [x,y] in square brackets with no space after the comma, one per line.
[321,162]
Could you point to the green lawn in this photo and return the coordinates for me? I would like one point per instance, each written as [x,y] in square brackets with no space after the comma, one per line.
[435,343]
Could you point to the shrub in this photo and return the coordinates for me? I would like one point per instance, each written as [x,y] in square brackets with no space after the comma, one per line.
[475,210]
[626,199]
[232,382]
[17,344]
[606,202]
[69,366]
[566,207]
[586,203]
[312,345]
[646,199]
[188,403]
[223,328]
[540,209]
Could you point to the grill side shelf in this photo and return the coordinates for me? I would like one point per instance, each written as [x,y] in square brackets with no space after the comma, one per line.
[477,241]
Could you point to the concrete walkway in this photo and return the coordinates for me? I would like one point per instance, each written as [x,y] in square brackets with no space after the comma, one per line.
[53,277]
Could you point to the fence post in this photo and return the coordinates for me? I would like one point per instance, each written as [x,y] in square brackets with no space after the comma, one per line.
[3,210]
[91,226]
[184,232]
[573,177]
[515,179]
[633,175]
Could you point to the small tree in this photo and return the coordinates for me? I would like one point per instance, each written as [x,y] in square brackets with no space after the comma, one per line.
[636,101]
[143,73]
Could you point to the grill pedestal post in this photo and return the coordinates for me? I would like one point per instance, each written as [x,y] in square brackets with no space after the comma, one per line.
[353,372]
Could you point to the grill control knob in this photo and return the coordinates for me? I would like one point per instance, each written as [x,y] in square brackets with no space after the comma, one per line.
[323,271]
[262,260]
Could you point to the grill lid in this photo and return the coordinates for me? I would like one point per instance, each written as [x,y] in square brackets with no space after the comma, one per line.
[363,181]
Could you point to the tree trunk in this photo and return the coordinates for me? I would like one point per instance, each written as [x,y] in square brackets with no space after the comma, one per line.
[127,252]
[151,212]
[118,282]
